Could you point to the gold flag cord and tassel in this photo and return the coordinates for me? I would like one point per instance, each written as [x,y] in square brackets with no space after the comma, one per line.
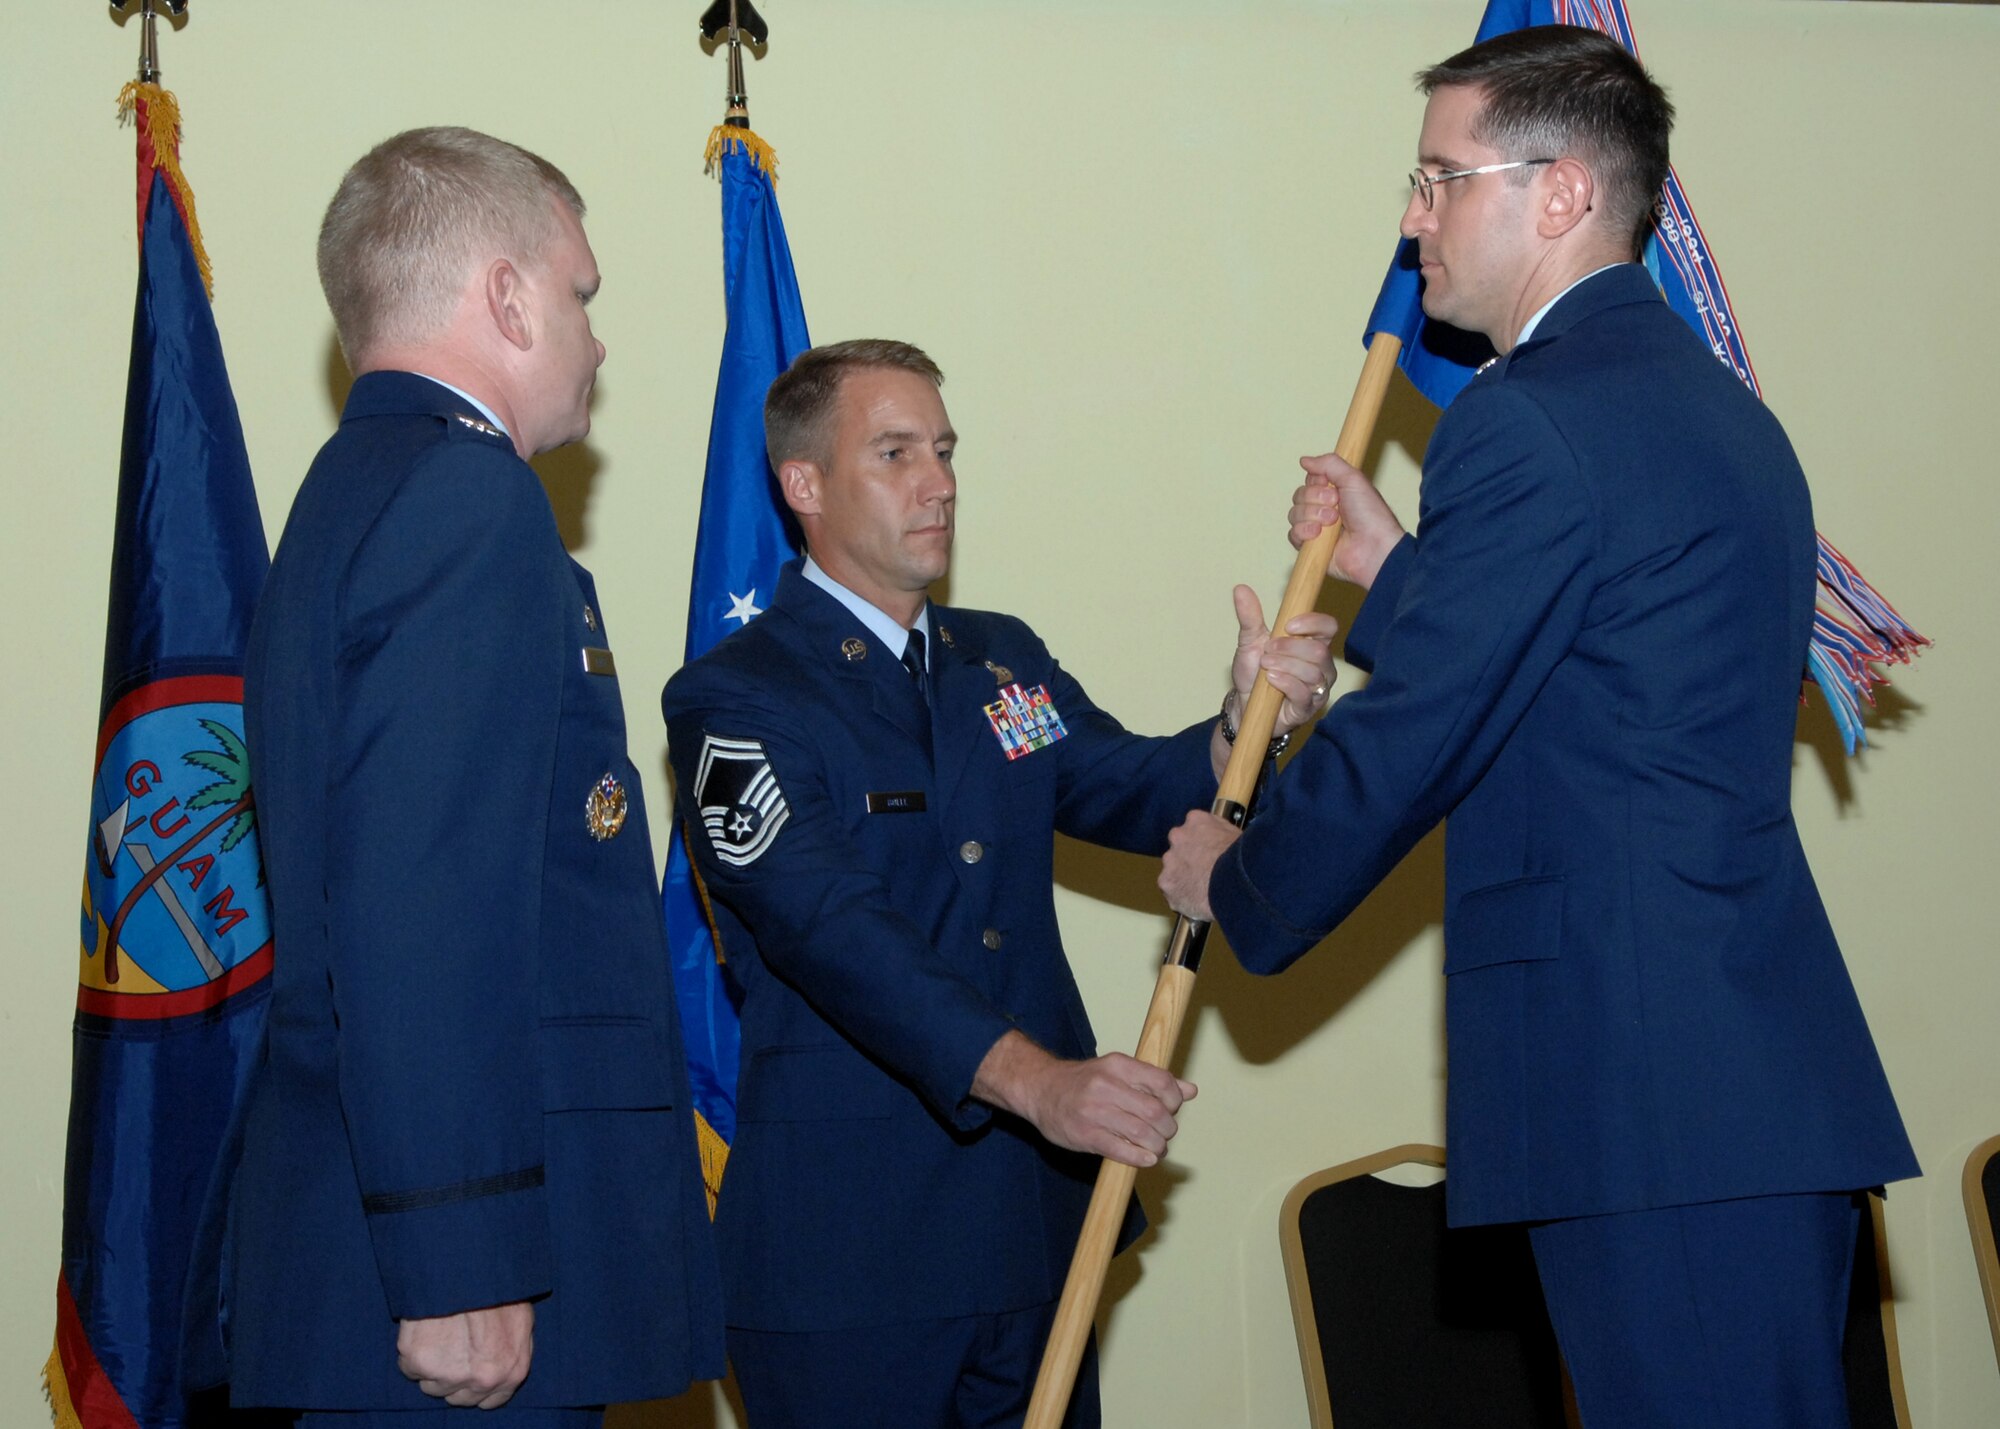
[722,136]
[55,1389]
[160,113]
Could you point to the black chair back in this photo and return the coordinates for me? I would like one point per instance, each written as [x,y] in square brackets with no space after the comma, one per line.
[1874,1364]
[1982,1207]
[1405,1324]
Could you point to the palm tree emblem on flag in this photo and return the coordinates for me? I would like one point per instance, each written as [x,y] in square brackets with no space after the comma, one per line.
[173,901]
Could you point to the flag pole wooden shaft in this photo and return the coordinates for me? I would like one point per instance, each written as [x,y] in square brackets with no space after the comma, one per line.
[1175,988]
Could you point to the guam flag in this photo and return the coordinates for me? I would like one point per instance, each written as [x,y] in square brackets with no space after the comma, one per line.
[742,541]
[1854,628]
[176,939]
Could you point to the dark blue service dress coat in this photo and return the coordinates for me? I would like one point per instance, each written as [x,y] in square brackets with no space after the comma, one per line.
[474,1090]
[889,914]
[1587,663]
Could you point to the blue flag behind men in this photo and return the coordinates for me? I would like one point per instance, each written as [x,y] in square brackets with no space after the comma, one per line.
[742,541]
[176,937]
[1862,629]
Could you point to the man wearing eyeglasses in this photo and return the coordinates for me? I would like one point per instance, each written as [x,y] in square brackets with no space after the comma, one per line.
[1587,660]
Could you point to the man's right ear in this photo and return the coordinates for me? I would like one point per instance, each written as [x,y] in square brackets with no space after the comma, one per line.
[507,304]
[799,481]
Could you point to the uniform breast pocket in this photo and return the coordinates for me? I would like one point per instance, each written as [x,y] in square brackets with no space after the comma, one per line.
[593,687]
[1027,775]
[603,1064]
[1516,922]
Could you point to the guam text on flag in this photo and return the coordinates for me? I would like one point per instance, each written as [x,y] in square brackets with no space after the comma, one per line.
[176,937]
[743,540]
[1854,629]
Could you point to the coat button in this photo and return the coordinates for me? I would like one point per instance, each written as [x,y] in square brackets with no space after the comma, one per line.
[970,851]
[991,937]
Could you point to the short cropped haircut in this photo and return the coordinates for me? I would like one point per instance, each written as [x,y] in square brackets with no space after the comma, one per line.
[411,219]
[1564,91]
[799,408]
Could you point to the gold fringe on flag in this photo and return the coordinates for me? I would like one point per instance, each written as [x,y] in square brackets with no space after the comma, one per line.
[163,127]
[713,1150]
[55,1387]
[723,135]
[714,1157]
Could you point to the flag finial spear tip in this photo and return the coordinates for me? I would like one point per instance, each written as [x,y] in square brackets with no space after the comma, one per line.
[735,23]
[149,50]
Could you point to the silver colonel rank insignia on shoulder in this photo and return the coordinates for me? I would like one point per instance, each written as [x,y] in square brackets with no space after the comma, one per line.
[741,805]
[485,429]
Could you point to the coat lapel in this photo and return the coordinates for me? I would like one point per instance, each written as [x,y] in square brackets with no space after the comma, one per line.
[851,653]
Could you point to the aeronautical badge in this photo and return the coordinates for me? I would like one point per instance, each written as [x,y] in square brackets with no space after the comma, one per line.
[1024,720]
[485,429]
[1001,674]
[741,805]
[604,810]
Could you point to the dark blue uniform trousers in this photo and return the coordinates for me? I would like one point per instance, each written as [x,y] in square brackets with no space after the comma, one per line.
[1720,1315]
[977,1372]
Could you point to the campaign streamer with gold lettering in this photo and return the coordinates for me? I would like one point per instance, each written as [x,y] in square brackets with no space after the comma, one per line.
[175,931]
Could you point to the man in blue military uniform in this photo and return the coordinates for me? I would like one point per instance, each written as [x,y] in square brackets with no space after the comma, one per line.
[872,784]
[1587,661]
[468,1175]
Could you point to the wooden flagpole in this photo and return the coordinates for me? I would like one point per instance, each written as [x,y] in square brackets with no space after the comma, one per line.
[1175,988]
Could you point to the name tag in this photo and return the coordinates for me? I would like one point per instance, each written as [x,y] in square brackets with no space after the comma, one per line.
[597,661]
[911,802]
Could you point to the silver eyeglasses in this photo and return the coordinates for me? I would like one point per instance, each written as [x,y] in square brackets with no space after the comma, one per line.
[1423,183]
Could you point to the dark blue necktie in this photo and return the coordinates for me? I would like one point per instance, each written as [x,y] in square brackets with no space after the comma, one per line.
[913,661]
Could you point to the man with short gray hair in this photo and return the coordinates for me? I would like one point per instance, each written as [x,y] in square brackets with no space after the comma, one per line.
[469,1172]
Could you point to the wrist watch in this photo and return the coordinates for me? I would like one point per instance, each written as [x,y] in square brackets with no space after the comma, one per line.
[1279,743]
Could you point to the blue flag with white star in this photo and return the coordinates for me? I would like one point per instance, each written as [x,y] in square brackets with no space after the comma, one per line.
[1854,628]
[744,538]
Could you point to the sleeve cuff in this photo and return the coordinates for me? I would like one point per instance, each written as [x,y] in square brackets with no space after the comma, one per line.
[969,1113]
[1263,941]
[463,1247]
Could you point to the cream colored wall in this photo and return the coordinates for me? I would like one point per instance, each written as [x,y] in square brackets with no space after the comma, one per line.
[1141,239]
